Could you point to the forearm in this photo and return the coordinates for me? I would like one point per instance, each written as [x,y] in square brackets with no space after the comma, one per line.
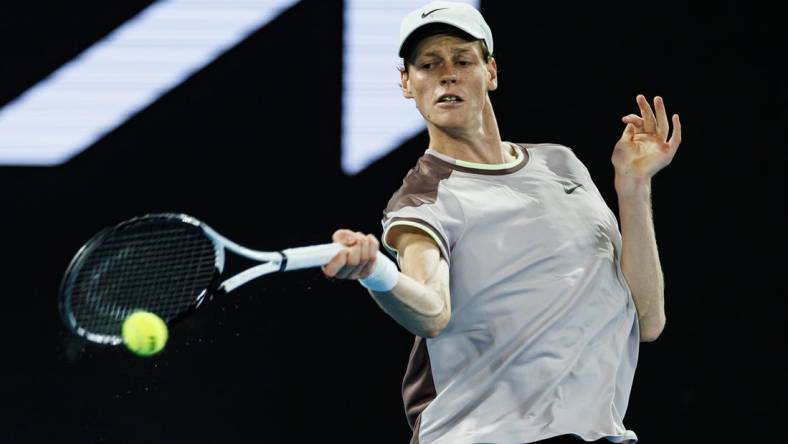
[415,306]
[640,258]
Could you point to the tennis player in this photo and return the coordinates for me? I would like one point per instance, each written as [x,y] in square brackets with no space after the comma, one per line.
[526,301]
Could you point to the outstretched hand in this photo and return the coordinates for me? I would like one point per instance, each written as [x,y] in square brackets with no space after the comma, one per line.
[644,147]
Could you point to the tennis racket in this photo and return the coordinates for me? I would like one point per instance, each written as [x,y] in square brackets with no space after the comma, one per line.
[166,264]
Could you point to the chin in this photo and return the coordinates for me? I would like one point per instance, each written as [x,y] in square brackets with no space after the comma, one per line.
[451,124]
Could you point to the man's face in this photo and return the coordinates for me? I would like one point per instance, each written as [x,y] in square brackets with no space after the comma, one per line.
[449,80]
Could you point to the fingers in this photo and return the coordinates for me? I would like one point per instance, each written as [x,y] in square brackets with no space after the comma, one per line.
[629,132]
[334,265]
[649,120]
[675,138]
[353,259]
[634,120]
[344,237]
[372,254]
[364,257]
[357,260]
[662,119]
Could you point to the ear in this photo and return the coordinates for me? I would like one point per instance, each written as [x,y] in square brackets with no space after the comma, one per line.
[404,83]
[492,75]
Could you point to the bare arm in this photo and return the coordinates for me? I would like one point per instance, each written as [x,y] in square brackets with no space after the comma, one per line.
[643,150]
[420,300]
[640,261]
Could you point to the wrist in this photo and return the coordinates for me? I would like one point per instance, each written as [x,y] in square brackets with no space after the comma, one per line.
[632,187]
[384,276]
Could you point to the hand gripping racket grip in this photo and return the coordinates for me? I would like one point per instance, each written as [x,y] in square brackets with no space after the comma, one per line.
[312,256]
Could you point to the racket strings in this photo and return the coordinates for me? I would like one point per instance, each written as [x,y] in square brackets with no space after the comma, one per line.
[142,272]
[158,266]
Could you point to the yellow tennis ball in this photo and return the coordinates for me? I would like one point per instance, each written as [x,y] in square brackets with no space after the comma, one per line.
[144,333]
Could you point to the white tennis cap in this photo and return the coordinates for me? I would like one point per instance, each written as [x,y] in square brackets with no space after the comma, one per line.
[460,15]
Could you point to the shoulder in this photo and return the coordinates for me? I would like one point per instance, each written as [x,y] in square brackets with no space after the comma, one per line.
[547,148]
[420,185]
[558,158]
[552,153]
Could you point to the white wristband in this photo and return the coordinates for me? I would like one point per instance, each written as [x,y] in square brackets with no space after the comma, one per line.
[383,277]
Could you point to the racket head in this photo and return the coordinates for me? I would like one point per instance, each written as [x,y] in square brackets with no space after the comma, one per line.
[164,263]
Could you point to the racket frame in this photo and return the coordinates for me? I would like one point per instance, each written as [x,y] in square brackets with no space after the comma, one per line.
[274,261]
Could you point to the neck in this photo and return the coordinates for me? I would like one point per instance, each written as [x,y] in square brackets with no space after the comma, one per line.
[480,143]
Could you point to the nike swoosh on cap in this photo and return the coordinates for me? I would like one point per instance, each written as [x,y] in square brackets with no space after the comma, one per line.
[425,14]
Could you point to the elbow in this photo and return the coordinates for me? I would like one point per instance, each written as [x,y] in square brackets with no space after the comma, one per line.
[441,321]
[432,334]
[650,331]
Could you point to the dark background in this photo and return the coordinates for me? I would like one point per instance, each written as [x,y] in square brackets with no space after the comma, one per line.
[248,146]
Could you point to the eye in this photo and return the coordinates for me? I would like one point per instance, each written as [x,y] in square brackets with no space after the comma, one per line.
[426,65]
[463,63]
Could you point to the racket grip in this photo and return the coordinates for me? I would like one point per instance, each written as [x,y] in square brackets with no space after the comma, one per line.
[312,256]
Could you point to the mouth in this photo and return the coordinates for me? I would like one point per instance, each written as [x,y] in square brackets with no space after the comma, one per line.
[449,99]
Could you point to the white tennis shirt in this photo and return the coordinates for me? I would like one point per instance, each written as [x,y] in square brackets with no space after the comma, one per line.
[544,336]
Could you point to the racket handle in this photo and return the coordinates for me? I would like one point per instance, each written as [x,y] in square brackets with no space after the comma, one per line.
[312,256]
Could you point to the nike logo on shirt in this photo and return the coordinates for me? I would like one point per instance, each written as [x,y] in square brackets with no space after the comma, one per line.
[569,189]
[425,14]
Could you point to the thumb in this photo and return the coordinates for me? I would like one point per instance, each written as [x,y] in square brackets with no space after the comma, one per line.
[629,132]
[344,237]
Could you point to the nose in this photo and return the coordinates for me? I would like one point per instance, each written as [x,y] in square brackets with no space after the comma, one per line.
[449,75]
[449,79]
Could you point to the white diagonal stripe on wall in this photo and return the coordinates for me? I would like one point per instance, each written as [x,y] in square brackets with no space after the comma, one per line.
[123,73]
